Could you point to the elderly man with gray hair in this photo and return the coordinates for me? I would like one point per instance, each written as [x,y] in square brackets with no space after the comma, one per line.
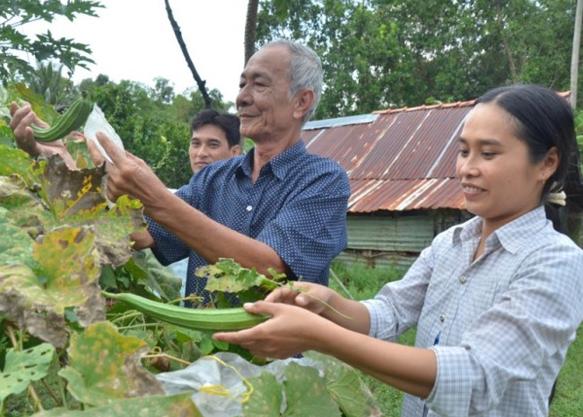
[276,207]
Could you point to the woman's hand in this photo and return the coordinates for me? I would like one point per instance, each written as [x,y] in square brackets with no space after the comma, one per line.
[313,297]
[289,331]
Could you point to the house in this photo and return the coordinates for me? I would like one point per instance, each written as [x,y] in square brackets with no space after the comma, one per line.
[401,167]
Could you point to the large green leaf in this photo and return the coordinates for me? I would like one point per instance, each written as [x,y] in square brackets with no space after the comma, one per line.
[105,365]
[64,274]
[306,393]
[23,367]
[345,386]
[155,406]
[266,398]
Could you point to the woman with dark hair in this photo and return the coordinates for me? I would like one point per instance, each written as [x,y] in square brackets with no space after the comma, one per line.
[496,300]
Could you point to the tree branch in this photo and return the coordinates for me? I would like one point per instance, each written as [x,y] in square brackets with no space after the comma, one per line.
[201,84]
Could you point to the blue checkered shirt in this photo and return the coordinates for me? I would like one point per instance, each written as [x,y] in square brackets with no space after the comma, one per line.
[499,326]
[297,206]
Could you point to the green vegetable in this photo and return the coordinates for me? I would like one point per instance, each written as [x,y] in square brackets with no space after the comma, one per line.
[191,318]
[72,119]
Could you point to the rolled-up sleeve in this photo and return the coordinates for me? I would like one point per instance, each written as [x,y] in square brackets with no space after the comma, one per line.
[310,230]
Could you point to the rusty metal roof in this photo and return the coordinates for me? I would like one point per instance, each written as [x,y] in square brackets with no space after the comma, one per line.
[402,160]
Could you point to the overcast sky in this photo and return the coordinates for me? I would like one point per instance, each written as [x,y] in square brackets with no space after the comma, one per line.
[133,40]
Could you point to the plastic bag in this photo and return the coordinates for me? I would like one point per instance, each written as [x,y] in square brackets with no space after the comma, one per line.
[223,372]
[96,122]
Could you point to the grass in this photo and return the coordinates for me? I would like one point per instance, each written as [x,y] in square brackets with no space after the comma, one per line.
[363,282]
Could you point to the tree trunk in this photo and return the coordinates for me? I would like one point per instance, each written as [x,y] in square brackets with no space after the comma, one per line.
[201,83]
[575,54]
[250,29]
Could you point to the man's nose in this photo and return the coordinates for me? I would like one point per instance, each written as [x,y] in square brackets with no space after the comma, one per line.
[243,98]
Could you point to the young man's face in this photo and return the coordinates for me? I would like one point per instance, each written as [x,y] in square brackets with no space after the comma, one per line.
[209,144]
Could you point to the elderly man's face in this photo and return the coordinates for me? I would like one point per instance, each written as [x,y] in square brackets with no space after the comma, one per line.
[265,108]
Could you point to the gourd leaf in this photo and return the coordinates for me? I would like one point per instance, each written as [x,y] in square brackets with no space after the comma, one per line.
[16,244]
[16,161]
[266,398]
[25,209]
[153,406]
[345,386]
[23,367]
[105,365]
[226,275]
[77,198]
[306,394]
[64,274]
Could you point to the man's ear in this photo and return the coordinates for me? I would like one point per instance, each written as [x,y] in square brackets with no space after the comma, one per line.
[303,101]
[235,150]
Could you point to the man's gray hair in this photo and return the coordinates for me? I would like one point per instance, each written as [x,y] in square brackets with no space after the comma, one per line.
[305,71]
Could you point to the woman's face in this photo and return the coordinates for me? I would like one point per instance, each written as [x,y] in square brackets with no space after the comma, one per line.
[498,179]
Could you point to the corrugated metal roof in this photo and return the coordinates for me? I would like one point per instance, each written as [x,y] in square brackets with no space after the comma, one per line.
[403,160]
[340,121]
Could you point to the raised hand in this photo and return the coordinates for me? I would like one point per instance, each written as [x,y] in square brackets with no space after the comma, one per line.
[128,174]
[22,118]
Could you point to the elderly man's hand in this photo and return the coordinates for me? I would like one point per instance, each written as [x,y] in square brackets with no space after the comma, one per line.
[128,174]
[22,118]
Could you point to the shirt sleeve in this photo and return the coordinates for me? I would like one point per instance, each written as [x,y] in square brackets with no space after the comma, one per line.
[167,247]
[535,318]
[310,230]
[398,304]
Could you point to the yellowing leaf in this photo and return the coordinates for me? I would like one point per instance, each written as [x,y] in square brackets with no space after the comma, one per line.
[65,274]
[155,406]
[105,365]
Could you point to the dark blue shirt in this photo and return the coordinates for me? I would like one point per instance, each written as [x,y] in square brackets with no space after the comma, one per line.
[297,206]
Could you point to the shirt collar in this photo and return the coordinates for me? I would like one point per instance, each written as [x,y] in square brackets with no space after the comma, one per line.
[280,164]
[512,236]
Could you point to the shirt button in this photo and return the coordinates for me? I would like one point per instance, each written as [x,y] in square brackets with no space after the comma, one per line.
[442,318]
[249,208]
[463,279]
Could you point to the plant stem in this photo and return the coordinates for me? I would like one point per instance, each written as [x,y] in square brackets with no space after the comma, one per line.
[126,316]
[17,345]
[136,326]
[63,393]
[50,391]
[35,398]
[165,355]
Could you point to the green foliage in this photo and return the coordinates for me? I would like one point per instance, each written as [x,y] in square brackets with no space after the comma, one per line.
[23,367]
[378,53]
[153,123]
[362,281]
[47,81]
[14,43]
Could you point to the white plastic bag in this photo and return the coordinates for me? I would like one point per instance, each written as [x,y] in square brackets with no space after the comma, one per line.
[96,122]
